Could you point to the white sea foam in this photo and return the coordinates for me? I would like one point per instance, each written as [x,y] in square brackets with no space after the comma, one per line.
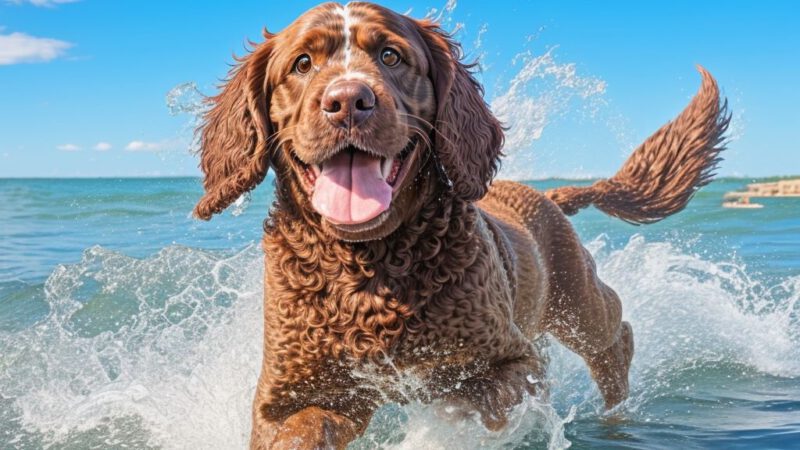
[165,351]
[687,313]
[172,340]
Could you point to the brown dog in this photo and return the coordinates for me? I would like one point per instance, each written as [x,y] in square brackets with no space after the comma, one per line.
[387,249]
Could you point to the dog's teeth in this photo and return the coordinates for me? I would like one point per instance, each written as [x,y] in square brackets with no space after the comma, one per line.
[317,169]
[386,167]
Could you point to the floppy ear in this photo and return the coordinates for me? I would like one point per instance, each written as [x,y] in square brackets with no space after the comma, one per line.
[234,154]
[468,137]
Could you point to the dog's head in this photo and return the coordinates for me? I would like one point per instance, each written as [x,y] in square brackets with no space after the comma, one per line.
[348,104]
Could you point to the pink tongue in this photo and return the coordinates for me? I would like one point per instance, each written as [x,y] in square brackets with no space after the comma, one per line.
[350,189]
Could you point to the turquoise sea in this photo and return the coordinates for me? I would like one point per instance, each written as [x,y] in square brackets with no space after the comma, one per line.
[124,323]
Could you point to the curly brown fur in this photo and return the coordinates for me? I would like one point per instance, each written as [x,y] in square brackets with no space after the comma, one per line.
[468,136]
[234,138]
[452,284]
[663,173]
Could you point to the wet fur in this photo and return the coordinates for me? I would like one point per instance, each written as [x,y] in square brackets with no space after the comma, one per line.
[459,282]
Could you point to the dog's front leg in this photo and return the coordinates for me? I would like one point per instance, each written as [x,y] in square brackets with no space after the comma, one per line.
[310,428]
[494,393]
[315,428]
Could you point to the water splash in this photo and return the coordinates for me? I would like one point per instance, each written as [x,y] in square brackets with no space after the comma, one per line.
[445,15]
[688,314]
[241,204]
[738,124]
[152,348]
[749,323]
[533,423]
[541,91]
[477,47]
[186,98]
[437,425]
[160,351]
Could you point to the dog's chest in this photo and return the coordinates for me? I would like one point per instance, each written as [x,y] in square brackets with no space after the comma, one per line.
[397,318]
[443,302]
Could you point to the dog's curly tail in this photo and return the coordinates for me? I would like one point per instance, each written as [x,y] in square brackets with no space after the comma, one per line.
[662,175]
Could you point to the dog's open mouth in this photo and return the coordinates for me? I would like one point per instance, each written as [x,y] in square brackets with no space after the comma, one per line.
[355,186]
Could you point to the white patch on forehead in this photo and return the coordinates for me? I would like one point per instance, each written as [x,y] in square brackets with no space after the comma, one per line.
[344,11]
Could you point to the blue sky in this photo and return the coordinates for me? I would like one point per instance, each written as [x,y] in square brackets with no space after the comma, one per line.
[83,83]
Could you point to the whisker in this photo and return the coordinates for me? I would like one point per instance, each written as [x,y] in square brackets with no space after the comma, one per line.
[278,135]
[431,126]
[418,118]
[423,136]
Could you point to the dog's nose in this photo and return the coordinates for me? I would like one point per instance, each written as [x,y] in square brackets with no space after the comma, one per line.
[348,103]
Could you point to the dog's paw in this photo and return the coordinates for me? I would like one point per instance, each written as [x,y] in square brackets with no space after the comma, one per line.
[610,368]
[491,397]
[314,428]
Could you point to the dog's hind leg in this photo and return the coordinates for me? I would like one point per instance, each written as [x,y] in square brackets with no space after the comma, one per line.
[585,315]
[657,180]
[579,309]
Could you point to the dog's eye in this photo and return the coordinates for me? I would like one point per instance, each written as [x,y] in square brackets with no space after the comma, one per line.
[302,64]
[390,57]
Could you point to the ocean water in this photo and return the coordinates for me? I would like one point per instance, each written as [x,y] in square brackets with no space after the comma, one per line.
[124,323]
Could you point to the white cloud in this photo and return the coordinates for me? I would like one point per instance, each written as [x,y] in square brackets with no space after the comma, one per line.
[40,3]
[102,146]
[68,147]
[18,48]
[142,146]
